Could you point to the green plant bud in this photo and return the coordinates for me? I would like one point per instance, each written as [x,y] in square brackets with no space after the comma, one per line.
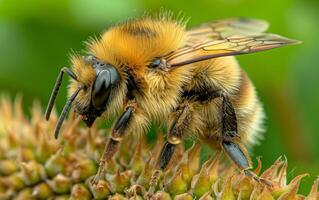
[290,191]
[161,195]
[63,169]
[190,163]
[32,172]
[14,182]
[146,175]
[84,168]
[6,194]
[120,181]
[117,197]
[26,154]
[8,167]
[101,190]
[201,182]
[55,164]
[244,186]
[60,184]
[62,197]
[137,162]
[25,194]
[13,140]
[80,192]
[279,191]
[44,150]
[177,185]
[2,151]
[193,156]
[212,168]
[184,196]
[206,196]
[227,192]
[42,191]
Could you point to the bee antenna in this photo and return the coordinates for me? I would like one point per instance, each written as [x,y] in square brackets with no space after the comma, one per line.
[56,89]
[65,111]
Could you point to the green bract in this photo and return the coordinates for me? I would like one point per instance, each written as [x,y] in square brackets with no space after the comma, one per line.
[35,166]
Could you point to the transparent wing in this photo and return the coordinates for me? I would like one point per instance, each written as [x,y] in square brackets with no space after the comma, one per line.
[221,29]
[228,46]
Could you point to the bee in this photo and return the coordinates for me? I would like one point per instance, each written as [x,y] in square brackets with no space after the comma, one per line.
[152,69]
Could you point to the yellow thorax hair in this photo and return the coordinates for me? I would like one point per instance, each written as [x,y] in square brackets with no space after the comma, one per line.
[137,42]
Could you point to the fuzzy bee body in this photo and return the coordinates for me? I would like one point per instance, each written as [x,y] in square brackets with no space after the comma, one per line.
[223,74]
[152,69]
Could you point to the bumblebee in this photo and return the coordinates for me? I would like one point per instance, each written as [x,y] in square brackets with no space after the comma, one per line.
[152,69]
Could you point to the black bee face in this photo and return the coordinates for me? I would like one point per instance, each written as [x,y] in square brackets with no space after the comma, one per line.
[106,81]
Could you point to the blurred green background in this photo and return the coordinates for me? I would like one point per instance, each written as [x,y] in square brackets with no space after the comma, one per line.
[37,37]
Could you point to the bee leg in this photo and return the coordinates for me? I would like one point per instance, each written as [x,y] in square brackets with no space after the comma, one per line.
[111,148]
[238,155]
[229,119]
[236,152]
[174,137]
[229,131]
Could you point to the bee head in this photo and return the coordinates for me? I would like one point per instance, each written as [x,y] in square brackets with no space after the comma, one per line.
[91,96]
[100,91]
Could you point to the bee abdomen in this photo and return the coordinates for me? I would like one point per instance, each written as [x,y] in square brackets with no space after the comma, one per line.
[249,111]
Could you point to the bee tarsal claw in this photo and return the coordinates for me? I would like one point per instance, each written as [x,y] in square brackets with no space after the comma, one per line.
[258,179]
[266,182]
[100,173]
[95,180]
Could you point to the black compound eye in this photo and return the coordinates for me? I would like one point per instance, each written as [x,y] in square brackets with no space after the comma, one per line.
[155,63]
[101,89]
[106,79]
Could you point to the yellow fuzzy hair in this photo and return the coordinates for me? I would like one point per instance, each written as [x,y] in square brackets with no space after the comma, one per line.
[86,76]
[132,45]
[225,74]
[136,43]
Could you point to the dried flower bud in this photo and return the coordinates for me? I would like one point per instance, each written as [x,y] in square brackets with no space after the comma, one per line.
[34,166]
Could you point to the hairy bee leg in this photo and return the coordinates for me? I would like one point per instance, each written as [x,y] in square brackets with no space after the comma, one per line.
[229,131]
[229,119]
[111,148]
[237,153]
[174,137]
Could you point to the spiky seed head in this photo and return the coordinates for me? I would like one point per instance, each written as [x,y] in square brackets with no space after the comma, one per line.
[35,166]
